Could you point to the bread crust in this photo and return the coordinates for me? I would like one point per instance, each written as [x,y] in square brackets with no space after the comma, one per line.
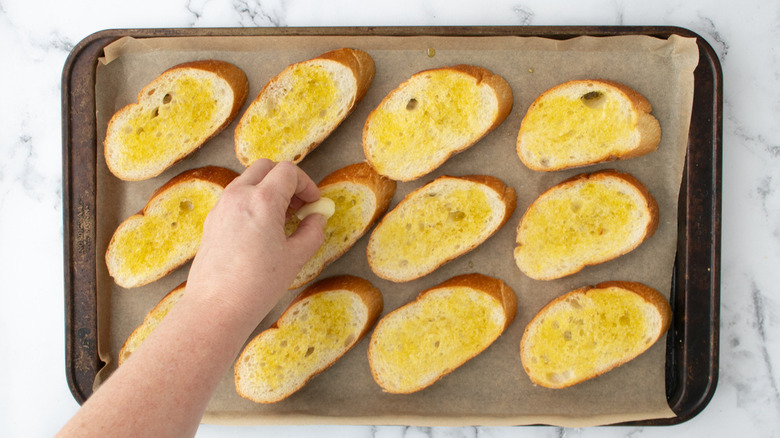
[652,207]
[369,295]
[235,77]
[649,294]
[236,80]
[213,174]
[359,62]
[492,286]
[652,204]
[506,195]
[648,127]
[646,293]
[363,175]
[497,83]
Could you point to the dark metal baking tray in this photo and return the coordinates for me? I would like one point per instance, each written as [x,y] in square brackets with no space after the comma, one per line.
[693,342]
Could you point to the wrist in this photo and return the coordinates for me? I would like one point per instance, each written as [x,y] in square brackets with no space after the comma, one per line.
[236,307]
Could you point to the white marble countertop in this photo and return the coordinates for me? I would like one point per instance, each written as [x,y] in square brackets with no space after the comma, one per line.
[36,37]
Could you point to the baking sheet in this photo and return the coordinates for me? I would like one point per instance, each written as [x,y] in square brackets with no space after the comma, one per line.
[539,68]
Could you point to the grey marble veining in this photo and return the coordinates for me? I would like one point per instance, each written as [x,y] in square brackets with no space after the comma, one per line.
[36,37]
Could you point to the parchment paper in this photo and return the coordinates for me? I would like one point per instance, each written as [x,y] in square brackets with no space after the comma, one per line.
[491,389]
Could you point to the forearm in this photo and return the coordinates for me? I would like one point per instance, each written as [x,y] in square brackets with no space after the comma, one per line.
[244,265]
[163,389]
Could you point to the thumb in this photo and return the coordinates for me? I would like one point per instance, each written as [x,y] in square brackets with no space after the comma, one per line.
[308,237]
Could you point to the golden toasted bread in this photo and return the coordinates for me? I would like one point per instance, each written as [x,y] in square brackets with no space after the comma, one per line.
[322,323]
[431,116]
[592,330]
[166,233]
[175,114]
[584,122]
[585,220]
[303,105]
[436,223]
[447,325]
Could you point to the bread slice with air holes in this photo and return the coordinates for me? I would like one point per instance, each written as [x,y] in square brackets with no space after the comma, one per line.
[585,220]
[303,105]
[166,233]
[592,330]
[321,324]
[150,322]
[431,116]
[436,223]
[446,326]
[361,197]
[174,115]
[584,122]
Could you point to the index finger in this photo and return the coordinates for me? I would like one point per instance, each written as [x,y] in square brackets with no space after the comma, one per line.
[255,172]
[291,181]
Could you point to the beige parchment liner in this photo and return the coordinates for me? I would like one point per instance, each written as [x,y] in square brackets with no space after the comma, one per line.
[491,389]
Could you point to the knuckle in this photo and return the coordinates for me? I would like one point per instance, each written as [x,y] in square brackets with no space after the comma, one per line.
[264,195]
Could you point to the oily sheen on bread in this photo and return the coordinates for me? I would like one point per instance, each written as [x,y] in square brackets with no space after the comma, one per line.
[585,220]
[166,233]
[322,323]
[436,223]
[447,325]
[361,197]
[431,116]
[592,330]
[585,122]
[150,322]
[302,105]
[174,115]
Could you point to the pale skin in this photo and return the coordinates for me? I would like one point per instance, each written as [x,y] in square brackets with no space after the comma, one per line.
[244,266]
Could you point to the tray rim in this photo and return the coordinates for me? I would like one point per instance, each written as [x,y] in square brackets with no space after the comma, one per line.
[688,393]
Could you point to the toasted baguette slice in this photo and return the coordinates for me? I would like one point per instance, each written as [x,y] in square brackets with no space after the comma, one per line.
[302,105]
[586,122]
[175,114]
[321,324]
[431,116]
[447,325]
[361,196]
[436,223]
[589,331]
[166,233]
[151,320]
[585,220]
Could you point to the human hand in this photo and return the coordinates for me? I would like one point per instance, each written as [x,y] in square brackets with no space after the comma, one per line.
[245,259]
[244,265]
